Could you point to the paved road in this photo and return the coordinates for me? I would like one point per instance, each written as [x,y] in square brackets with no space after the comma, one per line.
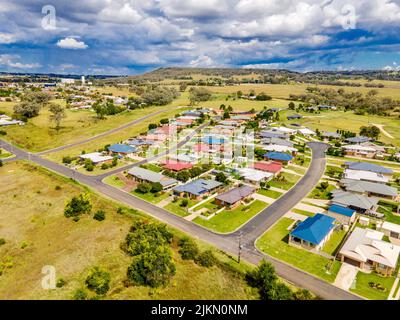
[126,125]
[227,243]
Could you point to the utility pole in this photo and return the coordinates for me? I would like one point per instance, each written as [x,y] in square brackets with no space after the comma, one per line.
[240,245]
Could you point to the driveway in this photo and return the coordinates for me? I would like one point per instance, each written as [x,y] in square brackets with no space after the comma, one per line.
[346,276]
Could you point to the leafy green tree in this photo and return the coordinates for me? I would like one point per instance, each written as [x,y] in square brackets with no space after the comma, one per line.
[143,187]
[98,281]
[183,176]
[100,215]
[197,95]
[156,187]
[152,126]
[31,104]
[370,131]
[78,205]
[221,177]
[188,248]
[57,114]
[89,166]
[184,203]
[152,268]
[80,294]
[206,259]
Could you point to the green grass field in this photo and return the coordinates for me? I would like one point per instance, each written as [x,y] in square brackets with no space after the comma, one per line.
[363,289]
[275,243]
[290,181]
[331,246]
[229,220]
[35,218]
[176,208]
[270,193]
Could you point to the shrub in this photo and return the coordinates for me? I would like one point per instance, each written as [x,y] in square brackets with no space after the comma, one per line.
[67,160]
[57,188]
[78,205]
[156,187]
[80,294]
[98,281]
[184,203]
[206,259]
[104,166]
[100,215]
[188,249]
[2,241]
[60,283]
[143,188]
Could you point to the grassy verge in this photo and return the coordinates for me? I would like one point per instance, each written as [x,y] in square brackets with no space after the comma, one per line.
[363,288]
[270,193]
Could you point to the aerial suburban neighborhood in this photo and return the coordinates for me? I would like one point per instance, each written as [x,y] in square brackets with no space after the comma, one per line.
[202,179]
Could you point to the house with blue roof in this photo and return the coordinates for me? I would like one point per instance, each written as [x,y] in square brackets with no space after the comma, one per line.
[313,232]
[343,215]
[121,149]
[282,157]
[197,189]
[213,140]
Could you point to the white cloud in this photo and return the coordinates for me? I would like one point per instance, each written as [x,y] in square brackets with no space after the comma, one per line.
[12,61]
[202,61]
[6,38]
[71,43]
[120,14]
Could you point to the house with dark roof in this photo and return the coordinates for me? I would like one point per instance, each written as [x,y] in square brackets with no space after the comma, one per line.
[197,189]
[357,140]
[354,201]
[313,232]
[144,175]
[281,157]
[341,214]
[272,134]
[369,189]
[294,117]
[121,149]
[233,197]
[365,166]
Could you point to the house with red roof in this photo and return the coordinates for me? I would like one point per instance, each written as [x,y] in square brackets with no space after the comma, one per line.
[272,167]
[176,165]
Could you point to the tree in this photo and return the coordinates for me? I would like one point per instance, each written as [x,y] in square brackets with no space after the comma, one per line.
[221,177]
[152,126]
[31,103]
[152,268]
[197,95]
[78,205]
[164,121]
[89,166]
[206,259]
[188,248]
[263,97]
[183,175]
[291,105]
[57,114]
[98,281]
[1,163]
[143,187]
[156,187]
[370,131]
[182,87]
[100,215]
[184,203]
[226,115]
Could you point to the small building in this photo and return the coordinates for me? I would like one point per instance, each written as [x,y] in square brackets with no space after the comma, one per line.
[281,157]
[331,135]
[294,117]
[342,215]
[233,197]
[357,140]
[366,250]
[313,232]
[354,201]
[122,149]
[254,176]
[392,230]
[280,148]
[96,157]
[144,175]
[197,189]
[306,132]
[272,167]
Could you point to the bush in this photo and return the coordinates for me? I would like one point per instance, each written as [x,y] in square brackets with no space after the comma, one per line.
[2,241]
[67,160]
[98,281]
[104,166]
[57,188]
[78,205]
[156,187]
[184,203]
[188,249]
[100,215]
[80,294]
[143,188]
[60,283]
[3,133]
[206,259]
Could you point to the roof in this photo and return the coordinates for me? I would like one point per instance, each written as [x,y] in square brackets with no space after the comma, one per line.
[365,176]
[213,140]
[341,210]
[391,226]
[331,134]
[359,139]
[306,131]
[354,200]
[273,167]
[278,156]
[234,195]
[198,187]
[96,157]
[279,148]
[295,116]
[121,148]
[314,229]
[358,147]
[367,186]
[365,166]
[254,175]
[151,176]
[177,166]
[367,244]
[277,141]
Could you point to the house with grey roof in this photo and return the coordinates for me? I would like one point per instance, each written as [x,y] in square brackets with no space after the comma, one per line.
[357,140]
[369,189]
[144,175]
[365,166]
[197,189]
[354,201]
[233,197]
[277,141]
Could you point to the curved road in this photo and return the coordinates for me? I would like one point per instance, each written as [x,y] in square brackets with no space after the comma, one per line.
[229,242]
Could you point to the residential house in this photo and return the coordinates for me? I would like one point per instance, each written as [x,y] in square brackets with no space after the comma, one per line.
[96,157]
[272,167]
[177,166]
[357,140]
[272,134]
[392,230]
[357,150]
[366,250]
[281,157]
[369,189]
[313,232]
[331,135]
[365,166]
[341,214]
[254,176]
[197,189]
[365,176]
[122,150]
[233,197]
[306,132]
[277,141]
[354,201]
[294,117]
[144,175]
[280,148]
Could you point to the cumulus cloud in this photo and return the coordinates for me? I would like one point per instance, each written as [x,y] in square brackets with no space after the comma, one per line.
[12,61]
[6,38]
[71,43]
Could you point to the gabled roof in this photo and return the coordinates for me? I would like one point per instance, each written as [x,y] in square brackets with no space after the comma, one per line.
[359,139]
[272,134]
[151,176]
[234,195]
[366,166]
[198,187]
[177,166]
[347,199]
[366,186]
[121,148]
[341,210]
[314,229]
[273,167]
[278,156]
[365,176]
[254,175]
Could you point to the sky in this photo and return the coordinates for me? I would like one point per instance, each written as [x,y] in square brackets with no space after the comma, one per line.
[123,37]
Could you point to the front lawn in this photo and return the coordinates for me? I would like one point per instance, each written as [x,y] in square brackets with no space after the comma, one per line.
[151,197]
[270,193]
[275,243]
[321,193]
[229,220]
[363,285]
[303,212]
[210,205]
[114,181]
[284,181]
[334,242]
[176,208]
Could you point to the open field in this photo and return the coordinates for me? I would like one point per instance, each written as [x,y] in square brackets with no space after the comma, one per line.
[275,243]
[38,234]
